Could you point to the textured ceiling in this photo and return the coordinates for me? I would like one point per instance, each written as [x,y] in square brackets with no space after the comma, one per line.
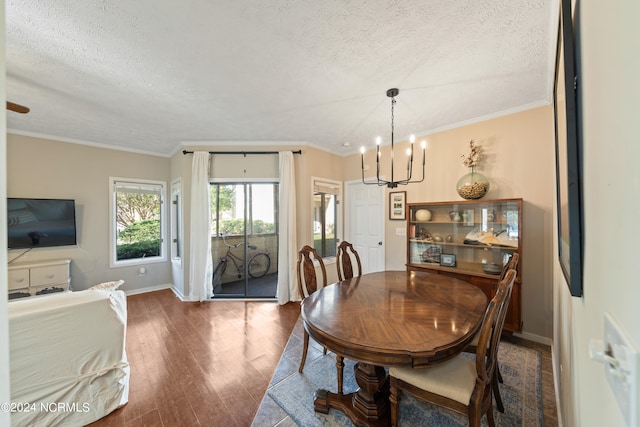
[147,75]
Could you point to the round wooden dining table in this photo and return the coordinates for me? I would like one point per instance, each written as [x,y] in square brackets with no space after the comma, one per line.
[389,318]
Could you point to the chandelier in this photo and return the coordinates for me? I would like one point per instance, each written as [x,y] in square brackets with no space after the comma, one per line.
[392,93]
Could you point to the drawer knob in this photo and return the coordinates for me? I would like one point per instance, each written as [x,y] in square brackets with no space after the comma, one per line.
[50,276]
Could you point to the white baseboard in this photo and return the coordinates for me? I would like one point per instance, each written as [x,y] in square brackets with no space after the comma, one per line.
[188,299]
[182,297]
[556,389]
[535,338]
[149,289]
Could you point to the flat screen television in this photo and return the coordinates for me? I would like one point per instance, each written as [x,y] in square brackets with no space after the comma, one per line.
[37,223]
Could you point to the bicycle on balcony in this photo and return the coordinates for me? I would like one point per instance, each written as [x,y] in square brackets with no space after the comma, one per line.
[258,263]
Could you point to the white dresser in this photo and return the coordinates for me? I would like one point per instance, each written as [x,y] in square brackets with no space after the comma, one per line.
[38,277]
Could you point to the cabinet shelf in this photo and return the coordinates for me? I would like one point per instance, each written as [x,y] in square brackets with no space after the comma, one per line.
[464,245]
[498,221]
[467,268]
[459,223]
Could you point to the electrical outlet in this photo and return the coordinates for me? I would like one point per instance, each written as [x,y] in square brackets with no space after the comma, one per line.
[621,369]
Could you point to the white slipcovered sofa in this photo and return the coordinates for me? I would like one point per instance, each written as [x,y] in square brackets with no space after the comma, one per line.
[67,355]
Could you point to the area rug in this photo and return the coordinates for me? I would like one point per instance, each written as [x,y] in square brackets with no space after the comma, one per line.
[521,391]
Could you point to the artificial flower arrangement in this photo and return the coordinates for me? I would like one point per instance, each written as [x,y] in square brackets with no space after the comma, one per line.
[474,156]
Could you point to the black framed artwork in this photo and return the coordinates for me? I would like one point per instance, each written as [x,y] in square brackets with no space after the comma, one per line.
[568,147]
[397,205]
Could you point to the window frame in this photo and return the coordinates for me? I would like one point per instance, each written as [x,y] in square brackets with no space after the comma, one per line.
[113,244]
[177,229]
[316,181]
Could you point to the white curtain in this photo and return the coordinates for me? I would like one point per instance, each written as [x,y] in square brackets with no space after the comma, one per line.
[200,264]
[287,251]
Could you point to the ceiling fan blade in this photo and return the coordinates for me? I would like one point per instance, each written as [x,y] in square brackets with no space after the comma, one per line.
[17,108]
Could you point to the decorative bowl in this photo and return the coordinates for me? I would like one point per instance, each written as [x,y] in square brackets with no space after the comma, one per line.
[492,268]
[423,215]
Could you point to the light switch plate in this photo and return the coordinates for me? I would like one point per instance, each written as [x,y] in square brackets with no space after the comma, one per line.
[623,379]
[401,231]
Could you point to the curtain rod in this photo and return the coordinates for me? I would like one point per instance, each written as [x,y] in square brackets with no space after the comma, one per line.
[244,153]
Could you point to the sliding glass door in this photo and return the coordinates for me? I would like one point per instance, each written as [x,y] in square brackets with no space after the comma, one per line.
[244,245]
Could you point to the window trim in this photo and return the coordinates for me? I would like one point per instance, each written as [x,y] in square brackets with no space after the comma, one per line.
[113,262]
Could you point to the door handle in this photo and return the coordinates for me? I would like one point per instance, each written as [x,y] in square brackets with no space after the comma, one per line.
[380,243]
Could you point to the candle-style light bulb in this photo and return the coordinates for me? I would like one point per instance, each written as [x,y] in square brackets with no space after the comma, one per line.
[362,153]
[412,139]
[423,144]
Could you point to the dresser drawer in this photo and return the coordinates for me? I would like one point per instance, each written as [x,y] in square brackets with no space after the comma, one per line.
[18,279]
[49,275]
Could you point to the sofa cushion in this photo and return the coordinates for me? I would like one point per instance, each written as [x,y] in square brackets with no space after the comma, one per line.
[107,286]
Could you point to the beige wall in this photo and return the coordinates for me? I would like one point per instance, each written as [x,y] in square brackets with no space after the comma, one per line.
[44,168]
[610,104]
[519,160]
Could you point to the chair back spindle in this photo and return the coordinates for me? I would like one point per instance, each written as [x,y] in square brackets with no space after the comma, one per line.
[307,279]
[344,262]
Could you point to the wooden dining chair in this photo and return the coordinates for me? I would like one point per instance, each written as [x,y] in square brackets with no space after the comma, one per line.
[308,284]
[471,348]
[460,384]
[344,261]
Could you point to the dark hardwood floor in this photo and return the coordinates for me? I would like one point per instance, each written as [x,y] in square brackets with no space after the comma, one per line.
[209,364]
[200,364]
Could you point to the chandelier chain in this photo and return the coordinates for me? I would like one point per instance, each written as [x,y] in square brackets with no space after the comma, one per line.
[393,102]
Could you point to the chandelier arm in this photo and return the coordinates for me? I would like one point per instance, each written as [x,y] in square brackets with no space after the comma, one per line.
[408,181]
[378,182]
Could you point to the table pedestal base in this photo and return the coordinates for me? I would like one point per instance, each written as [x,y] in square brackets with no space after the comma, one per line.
[369,406]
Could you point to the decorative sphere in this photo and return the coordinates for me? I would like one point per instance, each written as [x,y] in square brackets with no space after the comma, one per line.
[423,215]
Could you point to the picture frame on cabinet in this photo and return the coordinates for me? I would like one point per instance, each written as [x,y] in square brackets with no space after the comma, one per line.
[568,147]
[397,205]
[447,260]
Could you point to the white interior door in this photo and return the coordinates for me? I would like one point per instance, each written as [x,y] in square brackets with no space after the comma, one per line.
[364,223]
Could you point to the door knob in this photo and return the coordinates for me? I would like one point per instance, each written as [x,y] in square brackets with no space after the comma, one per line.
[380,243]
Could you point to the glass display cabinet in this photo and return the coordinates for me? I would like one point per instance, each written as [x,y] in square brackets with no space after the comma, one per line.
[469,240]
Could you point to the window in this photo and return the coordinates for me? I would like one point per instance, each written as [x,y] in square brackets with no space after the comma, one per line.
[325,216]
[228,213]
[137,222]
[245,257]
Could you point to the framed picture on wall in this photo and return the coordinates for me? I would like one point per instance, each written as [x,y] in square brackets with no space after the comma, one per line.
[568,147]
[397,204]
